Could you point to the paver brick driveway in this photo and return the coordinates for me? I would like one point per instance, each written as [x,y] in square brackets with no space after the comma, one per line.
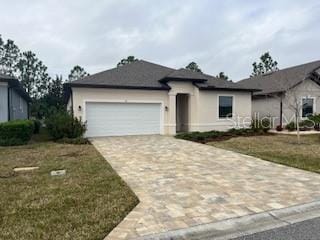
[182,184]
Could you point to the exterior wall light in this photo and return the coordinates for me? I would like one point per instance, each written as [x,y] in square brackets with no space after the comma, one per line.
[79,108]
[166,108]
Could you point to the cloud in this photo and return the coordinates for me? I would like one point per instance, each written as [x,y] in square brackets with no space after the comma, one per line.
[219,35]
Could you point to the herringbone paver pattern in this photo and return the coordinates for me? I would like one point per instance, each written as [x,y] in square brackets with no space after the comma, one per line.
[182,184]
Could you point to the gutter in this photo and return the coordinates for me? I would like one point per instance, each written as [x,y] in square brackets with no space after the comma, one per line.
[164,88]
[229,89]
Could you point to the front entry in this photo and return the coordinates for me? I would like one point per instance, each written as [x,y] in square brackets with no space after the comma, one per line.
[182,112]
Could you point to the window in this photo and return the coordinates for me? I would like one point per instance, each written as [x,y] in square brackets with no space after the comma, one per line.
[307,107]
[225,106]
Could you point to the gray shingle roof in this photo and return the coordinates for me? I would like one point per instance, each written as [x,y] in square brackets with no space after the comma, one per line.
[15,84]
[3,77]
[137,74]
[145,75]
[280,80]
[183,73]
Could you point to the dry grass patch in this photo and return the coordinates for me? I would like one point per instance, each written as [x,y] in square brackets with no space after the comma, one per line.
[281,149]
[86,203]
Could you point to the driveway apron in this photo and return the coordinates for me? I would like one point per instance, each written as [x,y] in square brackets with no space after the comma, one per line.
[181,184]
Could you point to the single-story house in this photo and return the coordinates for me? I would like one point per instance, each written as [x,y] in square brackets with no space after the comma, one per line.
[286,92]
[147,98]
[14,101]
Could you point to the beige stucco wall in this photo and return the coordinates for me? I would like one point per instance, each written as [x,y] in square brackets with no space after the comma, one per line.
[307,89]
[267,107]
[270,106]
[208,118]
[82,95]
[202,105]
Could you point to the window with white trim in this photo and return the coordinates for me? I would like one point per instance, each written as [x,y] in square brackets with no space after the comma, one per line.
[225,106]
[307,107]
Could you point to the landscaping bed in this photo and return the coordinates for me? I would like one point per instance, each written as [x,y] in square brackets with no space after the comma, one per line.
[210,136]
[282,149]
[85,203]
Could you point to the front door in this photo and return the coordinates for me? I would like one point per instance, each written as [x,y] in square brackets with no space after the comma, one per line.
[182,112]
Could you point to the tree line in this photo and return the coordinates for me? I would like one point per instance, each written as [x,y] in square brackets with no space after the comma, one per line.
[45,91]
[265,65]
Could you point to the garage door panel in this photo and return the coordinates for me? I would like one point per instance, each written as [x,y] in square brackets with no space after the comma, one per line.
[118,119]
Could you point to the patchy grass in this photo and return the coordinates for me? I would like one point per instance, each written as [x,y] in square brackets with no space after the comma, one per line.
[281,149]
[86,203]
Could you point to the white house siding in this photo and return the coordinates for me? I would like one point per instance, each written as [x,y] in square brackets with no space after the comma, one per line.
[3,102]
[18,106]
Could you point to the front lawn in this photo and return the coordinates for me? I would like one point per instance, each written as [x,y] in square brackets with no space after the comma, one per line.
[86,203]
[281,149]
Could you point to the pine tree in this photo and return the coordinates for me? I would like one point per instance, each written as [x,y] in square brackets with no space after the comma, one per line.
[128,60]
[193,67]
[1,50]
[266,65]
[222,75]
[33,75]
[76,73]
[55,94]
[9,57]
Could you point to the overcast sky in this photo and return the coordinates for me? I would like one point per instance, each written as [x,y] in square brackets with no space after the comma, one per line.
[219,35]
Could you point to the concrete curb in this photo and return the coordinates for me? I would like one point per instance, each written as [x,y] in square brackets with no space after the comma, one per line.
[241,226]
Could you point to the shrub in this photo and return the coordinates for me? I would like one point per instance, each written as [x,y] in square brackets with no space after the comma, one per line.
[199,136]
[291,126]
[241,131]
[37,126]
[279,128]
[64,125]
[204,137]
[16,132]
[77,141]
[261,125]
[316,120]
[306,125]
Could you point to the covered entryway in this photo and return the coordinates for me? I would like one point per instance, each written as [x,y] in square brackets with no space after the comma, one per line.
[120,119]
[182,112]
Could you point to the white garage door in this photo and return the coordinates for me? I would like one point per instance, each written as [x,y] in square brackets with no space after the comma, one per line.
[119,119]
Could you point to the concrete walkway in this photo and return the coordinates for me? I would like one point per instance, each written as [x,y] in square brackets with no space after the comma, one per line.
[182,184]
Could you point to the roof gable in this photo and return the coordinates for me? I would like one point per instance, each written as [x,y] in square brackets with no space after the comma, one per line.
[145,75]
[186,74]
[280,80]
[137,74]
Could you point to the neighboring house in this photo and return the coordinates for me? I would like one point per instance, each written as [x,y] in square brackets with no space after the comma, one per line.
[285,92]
[14,101]
[146,98]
